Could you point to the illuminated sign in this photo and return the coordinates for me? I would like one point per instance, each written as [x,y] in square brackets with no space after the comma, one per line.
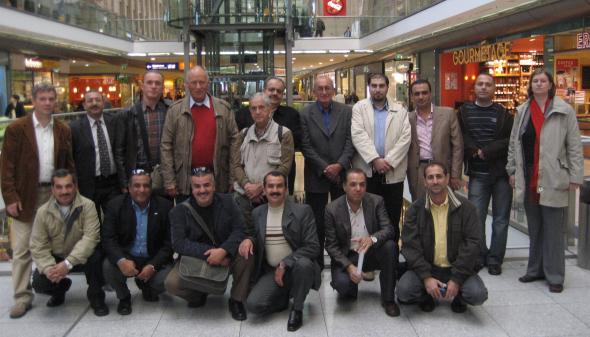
[583,40]
[161,66]
[32,63]
[334,7]
[483,53]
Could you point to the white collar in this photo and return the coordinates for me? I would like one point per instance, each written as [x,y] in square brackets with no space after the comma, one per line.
[206,102]
[350,208]
[36,122]
[93,121]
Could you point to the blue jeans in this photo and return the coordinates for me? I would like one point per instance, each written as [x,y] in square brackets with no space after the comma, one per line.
[481,189]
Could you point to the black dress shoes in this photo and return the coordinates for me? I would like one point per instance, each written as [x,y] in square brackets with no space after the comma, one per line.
[124,307]
[201,301]
[59,296]
[458,305]
[528,278]
[100,308]
[494,269]
[427,305]
[295,320]
[238,312]
[391,309]
[556,288]
[149,295]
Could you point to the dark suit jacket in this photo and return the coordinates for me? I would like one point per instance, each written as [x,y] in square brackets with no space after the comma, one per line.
[20,162]
[84,153]
[19,110]
[323,147]
[338,227]
[120,227]
[189,239]
[284,115]
[299,229]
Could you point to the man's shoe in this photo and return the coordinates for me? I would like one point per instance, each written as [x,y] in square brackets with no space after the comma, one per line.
[295,320]
[427,305]
[124,307]
[238,312]
[149,295]
[198,303]
[100,308]
[391,309]
[368,276]
[494,269]
[56,300]
[458,305]
[556,288]
[528,278]
[19,310]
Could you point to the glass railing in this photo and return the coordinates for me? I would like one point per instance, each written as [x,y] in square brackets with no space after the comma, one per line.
[87,14]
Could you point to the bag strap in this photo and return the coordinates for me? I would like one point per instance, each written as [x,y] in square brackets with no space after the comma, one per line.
[199,220]
[138,111]
[72,217]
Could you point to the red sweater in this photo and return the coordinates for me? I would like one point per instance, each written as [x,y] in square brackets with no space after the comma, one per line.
[205,129]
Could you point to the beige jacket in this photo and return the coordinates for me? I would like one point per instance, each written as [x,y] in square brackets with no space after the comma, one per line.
[397,139]
[177,140]
[49,235]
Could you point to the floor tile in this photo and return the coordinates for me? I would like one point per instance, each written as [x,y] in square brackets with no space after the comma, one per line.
[571,295]
[580,310]
[18,328]
[368,323]
[131,328]
[276,324]
[517,297]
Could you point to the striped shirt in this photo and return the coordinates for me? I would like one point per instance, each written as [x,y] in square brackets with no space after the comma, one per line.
[276,246]
[481,124]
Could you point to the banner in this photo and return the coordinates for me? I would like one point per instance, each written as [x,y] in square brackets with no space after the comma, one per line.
[335,7]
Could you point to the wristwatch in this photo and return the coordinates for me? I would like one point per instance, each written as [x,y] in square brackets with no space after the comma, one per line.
[68,264]
[374,239]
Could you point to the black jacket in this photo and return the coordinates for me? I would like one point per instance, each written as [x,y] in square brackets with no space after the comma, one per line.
[119,229]
[19,110]
[189,239]
[496,152]
[463,238]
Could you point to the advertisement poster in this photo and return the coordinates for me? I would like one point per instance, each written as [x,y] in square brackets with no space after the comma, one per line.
[335,7]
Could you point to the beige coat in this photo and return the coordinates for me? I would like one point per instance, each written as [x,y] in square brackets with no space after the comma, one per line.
[446,144]
[49,237]
[177,140]
[397,139]
[561,161]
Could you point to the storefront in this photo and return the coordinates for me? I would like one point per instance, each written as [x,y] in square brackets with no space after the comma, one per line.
[400,73]
[572,69]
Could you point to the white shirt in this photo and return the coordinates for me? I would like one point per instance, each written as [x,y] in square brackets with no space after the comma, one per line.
[358,228]
[276,247]
[93,126]
[44,137]
[206,102]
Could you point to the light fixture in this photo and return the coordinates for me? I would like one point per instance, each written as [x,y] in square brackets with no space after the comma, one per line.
[87,65]
[99,89]
[466,77]
[345,55]
[293,58]
[73,61]
[331,60]
[75,90]
[87,89]
[473,77]
[152,58]
[320,63]
[81,95]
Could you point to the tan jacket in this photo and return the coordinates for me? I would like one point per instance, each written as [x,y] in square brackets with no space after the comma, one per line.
[446,143]
[49,235]
[177,139]
[397,139]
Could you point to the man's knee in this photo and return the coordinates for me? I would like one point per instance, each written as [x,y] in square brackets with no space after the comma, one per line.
[256,306]
[473,291]
[409,287]
[171,283]
[303,265]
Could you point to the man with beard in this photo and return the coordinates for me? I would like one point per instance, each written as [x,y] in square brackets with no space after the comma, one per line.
[93,141]
[63,240]
[381,135]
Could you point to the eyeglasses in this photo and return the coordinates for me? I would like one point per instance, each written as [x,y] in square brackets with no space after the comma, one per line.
[139,172]
[195,171]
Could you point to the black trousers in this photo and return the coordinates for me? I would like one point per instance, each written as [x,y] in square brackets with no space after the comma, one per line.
[392,194]
[382,258]
[291,177]
[92,269]
[318,202]
[105,189]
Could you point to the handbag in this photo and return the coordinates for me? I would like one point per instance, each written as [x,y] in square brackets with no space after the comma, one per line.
[197,274]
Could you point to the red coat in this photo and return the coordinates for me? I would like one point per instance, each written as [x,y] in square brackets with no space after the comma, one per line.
[20,162]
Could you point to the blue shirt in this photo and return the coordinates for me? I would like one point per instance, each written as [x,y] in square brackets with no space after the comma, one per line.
[325,115]
[139,247]
[380,121]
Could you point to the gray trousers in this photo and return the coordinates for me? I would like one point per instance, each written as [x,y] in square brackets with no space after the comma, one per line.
[115,278]
[267,297]
[546,234]
[410,288]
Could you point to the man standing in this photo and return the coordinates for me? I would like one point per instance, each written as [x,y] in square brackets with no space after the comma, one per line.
[33,147]
[327,147]
[199,132]
[93,141]
[357,223]
[64,238]
[274,89]
[436,136]
[140,131]
[486,133]
[285,246]
[136,240]
[263,147]
[440,266]
[223,218]
[381,136]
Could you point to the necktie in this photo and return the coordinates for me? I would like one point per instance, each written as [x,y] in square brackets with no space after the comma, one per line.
[103,151]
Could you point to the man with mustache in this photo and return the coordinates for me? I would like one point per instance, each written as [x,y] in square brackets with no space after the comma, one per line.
[93,141]
[285,246]
[63,240]
[440,241]
[263,147]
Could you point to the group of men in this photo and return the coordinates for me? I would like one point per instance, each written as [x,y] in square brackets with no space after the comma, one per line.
[115,196]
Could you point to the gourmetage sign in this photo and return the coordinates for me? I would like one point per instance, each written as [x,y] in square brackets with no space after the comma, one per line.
[483,53]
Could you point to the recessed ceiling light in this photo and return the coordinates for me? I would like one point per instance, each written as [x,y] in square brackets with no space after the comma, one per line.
[152,58]
[346,55]
[73,61]
[87,65]
[294,58]
[331,60]
[320,63]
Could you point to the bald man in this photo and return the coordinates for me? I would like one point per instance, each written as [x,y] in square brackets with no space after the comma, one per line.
[198,132]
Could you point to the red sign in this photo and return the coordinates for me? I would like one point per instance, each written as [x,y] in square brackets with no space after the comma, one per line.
[583,40]
[335,7]
[566,64]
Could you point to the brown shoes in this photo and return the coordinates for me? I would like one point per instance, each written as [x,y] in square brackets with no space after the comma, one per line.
[19,310]
[556,288]
[391,309]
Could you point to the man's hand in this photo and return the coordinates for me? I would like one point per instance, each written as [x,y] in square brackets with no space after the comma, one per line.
[380,165]
[280,274]
[481,155]
[14,209]
[365,243]
[52,274]
[171,191]
[332,172]
[432,286]
[215,256]
[354,274]
[452,290]
[57,272]
[127,267]
[246,248]
[456,183]
[574,186]
[253,191]
[146,273]
[512,181]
